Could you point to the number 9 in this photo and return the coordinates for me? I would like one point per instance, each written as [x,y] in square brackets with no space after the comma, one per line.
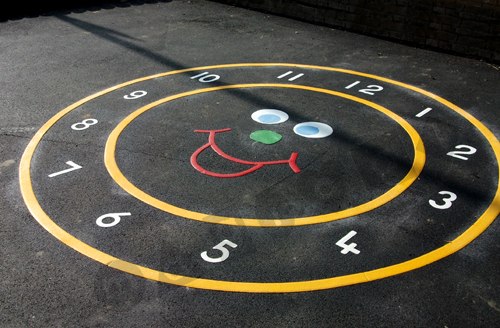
[135,94]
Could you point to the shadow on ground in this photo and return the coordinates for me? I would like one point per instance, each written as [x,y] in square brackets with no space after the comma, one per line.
[42,8]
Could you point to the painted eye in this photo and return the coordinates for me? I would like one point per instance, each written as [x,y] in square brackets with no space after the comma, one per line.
[269,116]
[313,130]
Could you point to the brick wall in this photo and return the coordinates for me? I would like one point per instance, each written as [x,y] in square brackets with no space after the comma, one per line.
[466,27]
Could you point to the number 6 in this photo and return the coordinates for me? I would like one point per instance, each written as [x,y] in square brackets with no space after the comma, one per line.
[220,247]
[115,217]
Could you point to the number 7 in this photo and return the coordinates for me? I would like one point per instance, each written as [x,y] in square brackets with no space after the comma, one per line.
[73,167]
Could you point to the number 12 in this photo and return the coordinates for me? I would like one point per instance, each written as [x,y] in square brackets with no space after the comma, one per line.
[370,89]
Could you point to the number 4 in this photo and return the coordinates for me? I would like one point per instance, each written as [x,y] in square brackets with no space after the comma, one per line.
[348,248]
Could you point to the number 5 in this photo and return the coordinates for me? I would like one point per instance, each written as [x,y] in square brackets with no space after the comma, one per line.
[220,247]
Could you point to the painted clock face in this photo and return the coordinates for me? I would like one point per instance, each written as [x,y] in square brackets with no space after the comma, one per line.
[263,177]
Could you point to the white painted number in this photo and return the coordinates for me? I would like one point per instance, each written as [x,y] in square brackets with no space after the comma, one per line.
[73,167]
[348,248]
[85,124]
[135,94]
[115,219]
[447,200]
[293,78]
[370,89]
[205,77]
[425,111]
[221,247]
[458,153]
[353,84]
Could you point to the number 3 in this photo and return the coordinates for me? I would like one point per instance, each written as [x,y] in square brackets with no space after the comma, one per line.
[220,247]
[447,201]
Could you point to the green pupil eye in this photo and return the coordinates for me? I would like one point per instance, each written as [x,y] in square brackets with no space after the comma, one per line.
[266,137]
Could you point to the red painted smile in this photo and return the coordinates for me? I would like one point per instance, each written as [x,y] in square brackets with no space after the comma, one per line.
[254,165]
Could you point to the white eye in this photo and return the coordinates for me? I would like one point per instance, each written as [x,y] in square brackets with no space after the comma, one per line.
[313,130]
[269,116]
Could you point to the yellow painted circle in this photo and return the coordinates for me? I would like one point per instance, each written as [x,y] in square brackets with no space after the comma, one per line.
[125,184]
[484,220]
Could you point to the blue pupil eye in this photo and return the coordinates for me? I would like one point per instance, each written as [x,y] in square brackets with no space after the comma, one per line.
[269,118]
[307,130]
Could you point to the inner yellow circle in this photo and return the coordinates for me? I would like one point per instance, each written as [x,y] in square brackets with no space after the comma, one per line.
[125,184]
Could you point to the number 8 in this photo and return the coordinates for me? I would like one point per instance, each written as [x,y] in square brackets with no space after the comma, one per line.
[85,124]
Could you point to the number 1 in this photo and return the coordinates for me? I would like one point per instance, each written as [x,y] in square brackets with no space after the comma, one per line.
[73,167]
[353,84]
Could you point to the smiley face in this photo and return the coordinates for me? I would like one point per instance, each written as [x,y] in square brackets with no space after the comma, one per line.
[266,137]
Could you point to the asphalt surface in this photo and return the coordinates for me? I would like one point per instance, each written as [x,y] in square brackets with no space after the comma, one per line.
[51,61]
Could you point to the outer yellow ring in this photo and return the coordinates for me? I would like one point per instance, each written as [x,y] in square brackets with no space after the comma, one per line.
[257,287]
[125,184]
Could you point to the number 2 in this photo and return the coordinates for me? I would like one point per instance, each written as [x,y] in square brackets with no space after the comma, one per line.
[458,153]
[447,201]
[221,247]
